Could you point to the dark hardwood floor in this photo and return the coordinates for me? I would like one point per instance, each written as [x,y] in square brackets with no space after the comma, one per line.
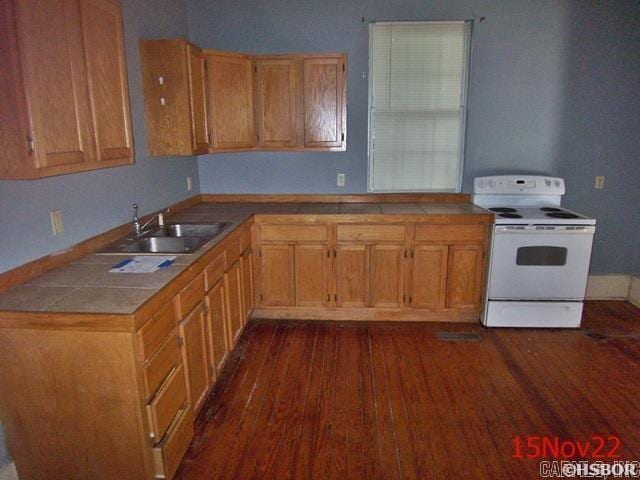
[395,401]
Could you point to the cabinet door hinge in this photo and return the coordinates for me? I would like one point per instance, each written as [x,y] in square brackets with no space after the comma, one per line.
[255,68]
[261,297]
[31,144]
[406,254]
[328,297]
[180,341]
[335,297]
[335,253]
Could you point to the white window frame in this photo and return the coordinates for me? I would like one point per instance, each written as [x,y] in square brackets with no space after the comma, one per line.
[463,108]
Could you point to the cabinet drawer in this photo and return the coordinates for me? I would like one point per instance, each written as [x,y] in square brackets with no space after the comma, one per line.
[371,233]
[162,409]
[159,366]
[155,331]
[190,296]
[293,233]
[168,454]
[215,270]
[450,233]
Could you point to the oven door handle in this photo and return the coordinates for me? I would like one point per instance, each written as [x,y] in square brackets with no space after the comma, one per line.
[545,230]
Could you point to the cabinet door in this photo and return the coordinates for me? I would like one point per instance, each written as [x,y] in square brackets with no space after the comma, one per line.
[324,102]
[352,275]
[311,275]
[387,275]
[55,76]
[276,275]
[464,276]
[233,285]
[246,262]
[218,335]
[193,334]
[277,96]
[230,82]
[107,74]
[429,274]
[198,99]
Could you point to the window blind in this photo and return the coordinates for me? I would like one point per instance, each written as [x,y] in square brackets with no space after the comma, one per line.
[416,98]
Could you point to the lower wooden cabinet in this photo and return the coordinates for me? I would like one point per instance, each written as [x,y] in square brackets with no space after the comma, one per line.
[464,276]
[168,454]
[429,276]
[311,272]
[277,275]
[233,285]
[217,319]
[372,268]
[246,266]
[352,275]
[193,335]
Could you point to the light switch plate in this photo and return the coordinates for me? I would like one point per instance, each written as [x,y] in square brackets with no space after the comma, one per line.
[341,179]
[189,184]
[56,222]
[599,182]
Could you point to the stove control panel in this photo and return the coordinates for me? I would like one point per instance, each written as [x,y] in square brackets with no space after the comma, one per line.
[518,184]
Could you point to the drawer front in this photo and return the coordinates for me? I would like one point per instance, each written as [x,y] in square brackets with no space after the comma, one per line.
[162,409]
[160,365]
[450,233]
[168,454]
[371,233]
[215,270]
[293,233]
[155,331]
[190,296]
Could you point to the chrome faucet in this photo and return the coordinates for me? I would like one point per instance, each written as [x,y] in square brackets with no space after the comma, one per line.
[139,229]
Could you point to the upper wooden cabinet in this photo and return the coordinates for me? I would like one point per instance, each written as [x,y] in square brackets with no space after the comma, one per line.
[173,76]
[230,85]
[324,92]
[213,101]
[278,98]
[64,102]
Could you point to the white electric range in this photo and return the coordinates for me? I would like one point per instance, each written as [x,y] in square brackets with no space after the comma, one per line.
[540,253]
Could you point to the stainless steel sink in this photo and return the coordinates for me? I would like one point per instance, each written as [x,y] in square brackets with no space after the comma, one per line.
[164,245]
[190,230]
[171,238]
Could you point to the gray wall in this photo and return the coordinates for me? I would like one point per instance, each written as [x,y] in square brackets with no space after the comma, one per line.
[550,92]
[96,201]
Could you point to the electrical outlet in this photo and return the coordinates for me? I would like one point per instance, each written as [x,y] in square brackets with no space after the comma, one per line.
[56,222]
[189,184]
[599,182]
[341,179]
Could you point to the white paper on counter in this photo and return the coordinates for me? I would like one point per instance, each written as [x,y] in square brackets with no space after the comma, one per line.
[143,264]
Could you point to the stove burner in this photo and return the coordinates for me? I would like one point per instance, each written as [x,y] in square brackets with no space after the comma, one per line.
[551,209]
[510,215]
[503,210]
[562,215]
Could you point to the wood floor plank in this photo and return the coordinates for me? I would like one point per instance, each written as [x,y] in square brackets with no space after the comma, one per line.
[305,400]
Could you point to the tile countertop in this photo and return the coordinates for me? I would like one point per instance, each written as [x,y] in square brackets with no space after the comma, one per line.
[86,285]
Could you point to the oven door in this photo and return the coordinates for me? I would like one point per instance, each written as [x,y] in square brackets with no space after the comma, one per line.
[540,262]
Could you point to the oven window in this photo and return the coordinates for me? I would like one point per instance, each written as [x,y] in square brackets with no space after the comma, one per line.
[542,256]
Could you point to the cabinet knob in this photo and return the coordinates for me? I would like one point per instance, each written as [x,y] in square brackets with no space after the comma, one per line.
[163,102]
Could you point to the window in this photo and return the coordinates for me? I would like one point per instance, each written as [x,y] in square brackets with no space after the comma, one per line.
[417,93]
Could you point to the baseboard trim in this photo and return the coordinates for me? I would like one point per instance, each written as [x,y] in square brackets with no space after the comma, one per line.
[9,472]
[608,287]
[634,291]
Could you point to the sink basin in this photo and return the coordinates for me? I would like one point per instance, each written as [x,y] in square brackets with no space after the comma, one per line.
[164,245]
[190,230]
[171,238]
